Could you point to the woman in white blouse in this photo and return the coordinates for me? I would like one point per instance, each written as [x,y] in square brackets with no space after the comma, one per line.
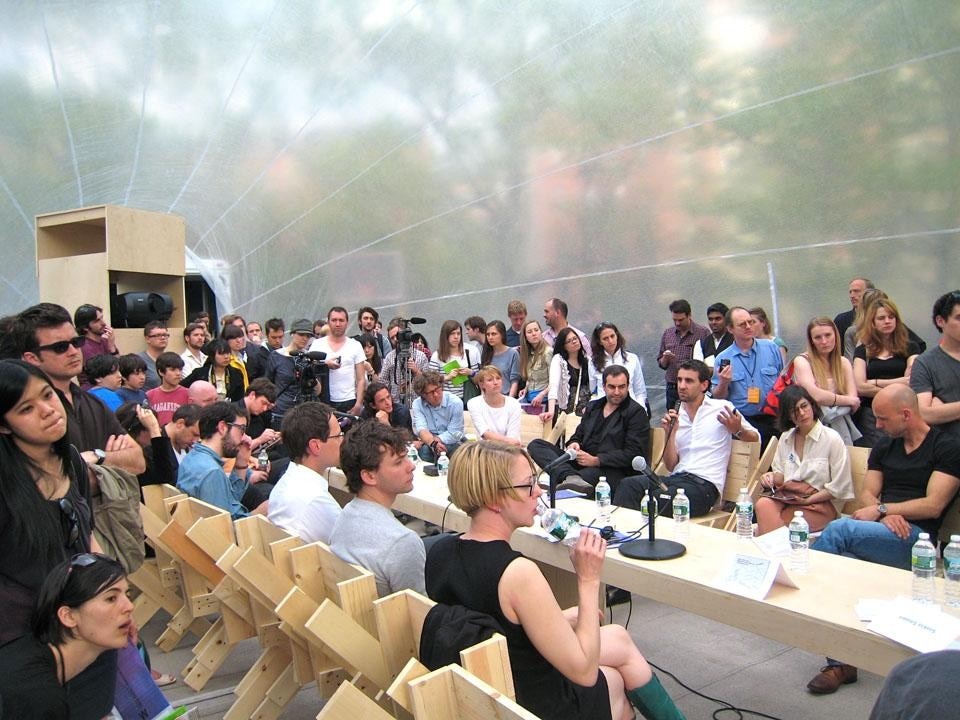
[609,348]
[495,416]
[811,470]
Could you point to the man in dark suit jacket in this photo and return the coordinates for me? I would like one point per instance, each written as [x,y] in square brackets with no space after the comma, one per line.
[614,430]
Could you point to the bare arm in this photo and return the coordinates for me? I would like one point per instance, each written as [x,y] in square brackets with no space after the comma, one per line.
[936,412]
[670,455]
[122,452]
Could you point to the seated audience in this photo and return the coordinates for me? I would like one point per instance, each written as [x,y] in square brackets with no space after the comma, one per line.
[453,359]
[884,357]
[437,417]
[496,352]
[564,664]
[535,357]
[202,393]
[374,460]
[828,376]
[697,448]
[610,348]
[301,502]
[133,376]
[811,470]
[495,416]
[934,375]
[236,339]
[81,613]
[103,376]
[165,400]
[378,404]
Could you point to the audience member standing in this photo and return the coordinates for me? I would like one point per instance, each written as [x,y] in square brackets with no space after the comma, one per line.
[555,313]
[98,338]
[844,319]
[676,346]
[157,336]
[346,380]
[935,375]
[719,338]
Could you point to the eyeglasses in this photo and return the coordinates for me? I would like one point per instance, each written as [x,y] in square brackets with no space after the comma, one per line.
[242,426]
[156,336]
[528,486]
[70,512]
[63,346]
[334,437]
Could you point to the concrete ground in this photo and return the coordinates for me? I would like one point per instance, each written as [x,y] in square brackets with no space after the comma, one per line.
[734,666]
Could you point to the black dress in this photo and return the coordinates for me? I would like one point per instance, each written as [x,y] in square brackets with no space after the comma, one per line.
[467,572]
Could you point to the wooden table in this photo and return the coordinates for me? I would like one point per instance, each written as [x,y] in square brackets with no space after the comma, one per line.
[818,616]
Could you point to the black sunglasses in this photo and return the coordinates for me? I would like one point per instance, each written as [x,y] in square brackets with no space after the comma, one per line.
[63,346]
[70,512]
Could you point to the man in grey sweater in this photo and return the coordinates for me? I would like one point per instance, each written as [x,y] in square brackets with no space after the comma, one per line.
[374,459]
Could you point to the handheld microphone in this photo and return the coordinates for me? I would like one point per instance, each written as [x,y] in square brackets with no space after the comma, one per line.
[345,416]
[311,355]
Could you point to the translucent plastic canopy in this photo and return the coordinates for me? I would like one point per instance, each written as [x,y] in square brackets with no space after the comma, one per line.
[440,158]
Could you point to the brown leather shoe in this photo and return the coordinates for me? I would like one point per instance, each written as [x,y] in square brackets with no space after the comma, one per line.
[831,677]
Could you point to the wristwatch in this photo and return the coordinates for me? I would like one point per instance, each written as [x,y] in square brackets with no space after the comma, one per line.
[882,509]
[101,456]
[736,435]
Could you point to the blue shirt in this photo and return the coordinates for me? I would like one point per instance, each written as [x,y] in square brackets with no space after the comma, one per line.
[201,476]
[444,421]
[757,367]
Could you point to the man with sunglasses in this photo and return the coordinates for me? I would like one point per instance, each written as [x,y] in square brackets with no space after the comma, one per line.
[43,335]
[223,435]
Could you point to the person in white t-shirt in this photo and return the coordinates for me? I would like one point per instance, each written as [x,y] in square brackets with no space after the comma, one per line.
[347,381]
[495,416]
[301,502]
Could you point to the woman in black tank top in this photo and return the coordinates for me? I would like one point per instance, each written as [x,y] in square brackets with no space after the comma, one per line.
[564,664]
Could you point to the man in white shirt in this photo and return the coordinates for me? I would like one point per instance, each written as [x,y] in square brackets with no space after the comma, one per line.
[346,381]
[301,502]
[194,337]
[697,448]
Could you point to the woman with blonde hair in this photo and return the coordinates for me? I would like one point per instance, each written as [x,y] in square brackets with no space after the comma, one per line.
[828,376]
[495,416]
[883,357]
[535,356]
[565,665]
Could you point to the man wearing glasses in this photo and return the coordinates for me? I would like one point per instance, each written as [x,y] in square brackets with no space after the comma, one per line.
[43,335]
[437,417]
[374,459]
[746,371]
[223,435]
[301,502]
[157,337]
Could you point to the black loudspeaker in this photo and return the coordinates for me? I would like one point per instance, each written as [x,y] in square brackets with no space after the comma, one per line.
[136,309]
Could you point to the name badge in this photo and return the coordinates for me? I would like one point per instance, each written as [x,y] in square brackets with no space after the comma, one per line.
[753,395]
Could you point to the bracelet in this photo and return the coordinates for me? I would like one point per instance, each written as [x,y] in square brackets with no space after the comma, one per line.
[240,467]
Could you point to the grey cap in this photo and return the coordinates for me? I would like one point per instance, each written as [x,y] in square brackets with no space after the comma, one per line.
[302,326]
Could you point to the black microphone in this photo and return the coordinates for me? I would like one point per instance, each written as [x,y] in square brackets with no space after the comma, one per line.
[312,355]
[569,456]
[345,416]
[417,321]
[651,548]
[639,464]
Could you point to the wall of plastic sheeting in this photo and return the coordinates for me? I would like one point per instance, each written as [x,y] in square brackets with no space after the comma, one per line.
[439,158]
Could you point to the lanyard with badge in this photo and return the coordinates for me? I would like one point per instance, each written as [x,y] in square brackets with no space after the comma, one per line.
[753,390]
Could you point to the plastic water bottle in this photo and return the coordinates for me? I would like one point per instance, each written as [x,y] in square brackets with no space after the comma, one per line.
[744,515]
[263,460]
[412,453]
[799,543]
[443,463]
[602,495]
[681,516]
[923,559]
[560,525]
[951,571]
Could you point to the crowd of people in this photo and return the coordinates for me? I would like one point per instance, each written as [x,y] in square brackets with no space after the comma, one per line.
[250,418]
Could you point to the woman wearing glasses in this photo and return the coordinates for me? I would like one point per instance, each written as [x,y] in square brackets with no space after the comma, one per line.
[45,513]
[811,470]
[609,348]
[81,612]
[564,664]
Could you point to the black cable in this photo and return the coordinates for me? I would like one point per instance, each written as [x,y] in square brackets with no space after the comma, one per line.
[443,518]
[716,714]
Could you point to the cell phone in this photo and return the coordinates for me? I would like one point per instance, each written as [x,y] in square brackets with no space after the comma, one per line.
[724,362]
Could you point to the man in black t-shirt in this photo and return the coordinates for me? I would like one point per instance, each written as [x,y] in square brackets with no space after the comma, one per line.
[912,477]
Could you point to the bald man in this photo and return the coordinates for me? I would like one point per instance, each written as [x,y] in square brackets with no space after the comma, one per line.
[203,393]
[912,476]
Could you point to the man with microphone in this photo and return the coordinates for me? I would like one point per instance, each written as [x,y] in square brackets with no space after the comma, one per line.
[614,430]
[281,371]
[699,434]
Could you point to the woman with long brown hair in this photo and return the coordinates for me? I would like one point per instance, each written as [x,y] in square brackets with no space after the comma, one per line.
[450,349]
[535,356]
[828,376]
[883,357]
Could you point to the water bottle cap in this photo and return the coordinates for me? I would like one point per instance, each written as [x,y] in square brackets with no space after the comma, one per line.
[603,478]
[798,513]
[680,491]
[924,536]
[955,538]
